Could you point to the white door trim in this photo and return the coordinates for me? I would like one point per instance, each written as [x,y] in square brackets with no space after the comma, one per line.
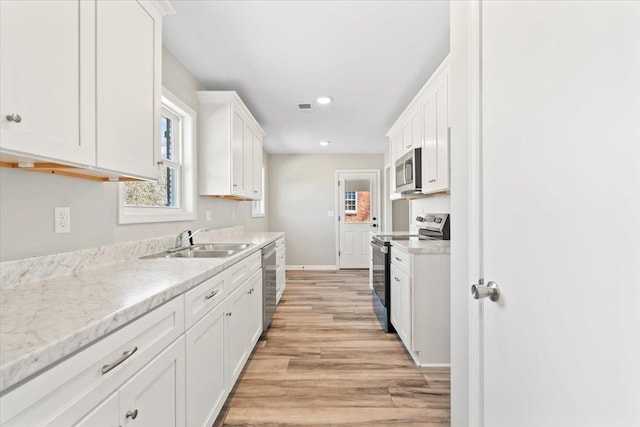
[476,361]
[337,205]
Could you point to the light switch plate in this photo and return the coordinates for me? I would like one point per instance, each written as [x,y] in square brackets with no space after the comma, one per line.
[62,219]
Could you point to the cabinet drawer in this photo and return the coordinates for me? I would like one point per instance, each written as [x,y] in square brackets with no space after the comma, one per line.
[401,259]
[208,294]
[241,271]
[94,373]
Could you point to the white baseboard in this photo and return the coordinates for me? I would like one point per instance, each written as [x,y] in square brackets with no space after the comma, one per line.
[310,267]
[436,365]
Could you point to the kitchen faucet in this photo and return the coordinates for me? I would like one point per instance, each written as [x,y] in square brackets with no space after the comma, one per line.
[178,242]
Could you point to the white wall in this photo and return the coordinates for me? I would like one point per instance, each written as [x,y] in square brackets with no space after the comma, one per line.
[301,192]
[27,201]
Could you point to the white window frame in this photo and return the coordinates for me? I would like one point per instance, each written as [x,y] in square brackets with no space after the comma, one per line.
[258,206]
[186,210]
[355,204]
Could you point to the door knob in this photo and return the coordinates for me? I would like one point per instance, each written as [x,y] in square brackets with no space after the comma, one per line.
[16,118]
[492,290]
[132,414]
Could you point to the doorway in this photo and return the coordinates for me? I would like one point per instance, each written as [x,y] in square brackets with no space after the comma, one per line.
[357,204]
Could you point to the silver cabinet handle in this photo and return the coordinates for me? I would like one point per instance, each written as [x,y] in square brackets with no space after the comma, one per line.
[132,414]
[16,118]
[160,162]
[127,354]
[212,294]
[228,314]
[492,290]
[255,191]
[396,279]
[398,259]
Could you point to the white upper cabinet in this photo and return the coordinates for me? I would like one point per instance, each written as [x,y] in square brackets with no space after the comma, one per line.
[230,144]
[435,155]
[425,124]
[80,86]
[256,165]
[45,73]
[128,97]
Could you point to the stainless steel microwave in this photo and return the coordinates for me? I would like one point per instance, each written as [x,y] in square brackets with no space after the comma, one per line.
[409,172]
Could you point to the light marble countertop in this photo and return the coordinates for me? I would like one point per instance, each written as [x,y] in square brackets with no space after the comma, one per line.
[416,246]
[44,321]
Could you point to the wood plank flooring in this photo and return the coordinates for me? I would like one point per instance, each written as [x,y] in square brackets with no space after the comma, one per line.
[326,362]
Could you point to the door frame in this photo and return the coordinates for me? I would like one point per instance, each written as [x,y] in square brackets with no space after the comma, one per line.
[467,400]
[337,205]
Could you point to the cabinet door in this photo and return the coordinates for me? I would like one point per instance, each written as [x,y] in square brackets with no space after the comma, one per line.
[430,148]
[396,300]
[416,129]
[236,348]
[105,415]
[406,138]
[399,148]
[156,392]
[47,77]
[237,153]
[257,168]
[247,160]
[206,391]
[442,133]
[435,154]
[405,310]
[128,87]
[254,309]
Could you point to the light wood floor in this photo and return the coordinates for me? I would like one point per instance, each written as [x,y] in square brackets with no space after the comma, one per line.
[326,362]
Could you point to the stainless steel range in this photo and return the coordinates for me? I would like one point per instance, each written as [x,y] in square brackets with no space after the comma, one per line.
[432,227]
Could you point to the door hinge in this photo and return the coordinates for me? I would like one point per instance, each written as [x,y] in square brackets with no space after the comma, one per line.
[339,254]
[338,183]
[338,218]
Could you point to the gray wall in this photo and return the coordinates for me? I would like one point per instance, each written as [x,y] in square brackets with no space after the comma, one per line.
[27,201]
[302,191]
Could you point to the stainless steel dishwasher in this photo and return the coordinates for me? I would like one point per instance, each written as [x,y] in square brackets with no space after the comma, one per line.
[268,285]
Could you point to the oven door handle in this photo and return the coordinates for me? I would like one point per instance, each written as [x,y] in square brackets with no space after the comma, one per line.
[381,248]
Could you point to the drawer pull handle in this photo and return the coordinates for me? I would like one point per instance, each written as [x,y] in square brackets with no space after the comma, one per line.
[127,354]
[132,414]
[211,295]
[398,259]
[228,314]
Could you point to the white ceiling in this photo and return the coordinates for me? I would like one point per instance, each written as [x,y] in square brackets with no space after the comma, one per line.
[372,57]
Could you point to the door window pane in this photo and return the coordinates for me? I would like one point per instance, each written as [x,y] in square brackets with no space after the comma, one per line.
[357,201]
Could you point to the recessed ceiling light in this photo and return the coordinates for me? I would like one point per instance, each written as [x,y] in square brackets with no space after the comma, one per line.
[324,143]
[324,100]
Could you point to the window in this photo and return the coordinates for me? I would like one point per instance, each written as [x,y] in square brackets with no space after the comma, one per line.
[172,197]
[257,206]
[350,202]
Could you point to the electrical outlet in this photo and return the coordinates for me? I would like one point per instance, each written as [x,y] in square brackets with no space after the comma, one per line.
[62,218]
[207,216]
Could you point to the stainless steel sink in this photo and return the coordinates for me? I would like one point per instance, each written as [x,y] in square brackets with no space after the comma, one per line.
[205,250]
[223,246]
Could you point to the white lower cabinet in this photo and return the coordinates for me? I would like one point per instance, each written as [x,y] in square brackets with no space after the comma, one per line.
[206,391]
[401,303]
[254,309]
[281,281]
[420,305]
[105,415]
[155,396]
[235,343]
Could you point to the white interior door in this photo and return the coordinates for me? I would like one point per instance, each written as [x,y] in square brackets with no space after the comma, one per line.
[357,216]
[560,215]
